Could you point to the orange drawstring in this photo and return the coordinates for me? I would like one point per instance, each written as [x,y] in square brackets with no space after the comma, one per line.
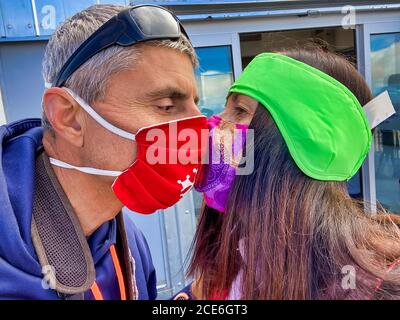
[96,291]
[119,272]
[95,288]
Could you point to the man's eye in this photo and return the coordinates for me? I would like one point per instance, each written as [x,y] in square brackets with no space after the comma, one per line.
[166,108]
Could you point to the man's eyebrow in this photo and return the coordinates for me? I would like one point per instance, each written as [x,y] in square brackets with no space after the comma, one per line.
[173,93]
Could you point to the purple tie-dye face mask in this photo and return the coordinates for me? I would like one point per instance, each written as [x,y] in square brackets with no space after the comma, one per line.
[226,143]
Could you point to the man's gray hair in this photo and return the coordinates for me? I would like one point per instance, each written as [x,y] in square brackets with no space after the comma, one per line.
[90,80]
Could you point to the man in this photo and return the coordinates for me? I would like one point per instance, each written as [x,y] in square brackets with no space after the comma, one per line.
[62,234]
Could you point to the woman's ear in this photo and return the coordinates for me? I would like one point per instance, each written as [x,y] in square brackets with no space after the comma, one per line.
[64,114]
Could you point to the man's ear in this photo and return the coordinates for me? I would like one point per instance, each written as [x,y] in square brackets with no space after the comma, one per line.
[64,114]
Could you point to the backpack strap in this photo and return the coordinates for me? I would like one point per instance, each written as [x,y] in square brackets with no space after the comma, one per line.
[58,238]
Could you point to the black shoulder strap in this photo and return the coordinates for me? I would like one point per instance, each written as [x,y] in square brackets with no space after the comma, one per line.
[58,238]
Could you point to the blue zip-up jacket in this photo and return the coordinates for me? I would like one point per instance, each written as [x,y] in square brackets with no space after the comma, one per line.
[20,270]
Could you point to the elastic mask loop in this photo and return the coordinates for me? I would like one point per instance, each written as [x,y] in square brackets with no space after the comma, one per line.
[105,124]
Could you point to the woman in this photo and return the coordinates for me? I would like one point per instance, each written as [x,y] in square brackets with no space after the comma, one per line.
[289,230]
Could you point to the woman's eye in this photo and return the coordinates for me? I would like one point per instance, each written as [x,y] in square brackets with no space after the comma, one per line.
[240,111]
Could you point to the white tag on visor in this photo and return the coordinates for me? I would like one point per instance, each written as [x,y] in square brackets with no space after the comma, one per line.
[379,109]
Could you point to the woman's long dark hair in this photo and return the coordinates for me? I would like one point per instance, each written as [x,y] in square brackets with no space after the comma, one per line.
[300,236]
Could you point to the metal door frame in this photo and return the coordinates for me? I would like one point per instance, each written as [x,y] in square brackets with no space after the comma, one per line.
[365,31]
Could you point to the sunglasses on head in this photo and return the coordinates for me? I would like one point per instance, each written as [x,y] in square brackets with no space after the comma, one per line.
[137,24]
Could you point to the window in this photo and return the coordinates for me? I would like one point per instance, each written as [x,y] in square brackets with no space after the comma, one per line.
[214,78]
[385,72]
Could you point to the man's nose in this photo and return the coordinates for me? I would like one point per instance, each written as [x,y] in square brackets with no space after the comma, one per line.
[192,109]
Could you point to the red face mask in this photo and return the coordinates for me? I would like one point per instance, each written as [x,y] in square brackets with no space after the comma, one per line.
[147,186]
[168,159]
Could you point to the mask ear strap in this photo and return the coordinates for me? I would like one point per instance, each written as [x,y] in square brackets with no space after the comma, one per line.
[379,109]
[99,119]
[88,170]
[47,85]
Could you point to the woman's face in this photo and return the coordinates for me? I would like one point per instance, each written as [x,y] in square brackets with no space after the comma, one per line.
[239,109]
[228,139]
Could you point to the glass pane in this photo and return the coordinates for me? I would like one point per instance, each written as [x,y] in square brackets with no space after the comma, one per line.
[214,77]
[385,64]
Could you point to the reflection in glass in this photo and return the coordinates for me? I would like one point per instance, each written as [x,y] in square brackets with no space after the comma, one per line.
[214,78]
[385,64]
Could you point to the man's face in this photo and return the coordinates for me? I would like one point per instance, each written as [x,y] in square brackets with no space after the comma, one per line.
[160,88]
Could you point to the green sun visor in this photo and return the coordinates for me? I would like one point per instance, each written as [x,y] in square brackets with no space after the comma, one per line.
[322,122]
